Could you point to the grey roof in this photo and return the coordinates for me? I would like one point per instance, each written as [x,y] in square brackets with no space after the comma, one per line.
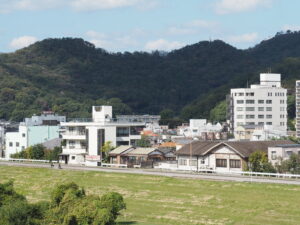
[51,144]
[120,149]
[141,151]
[243,148]
[289,146]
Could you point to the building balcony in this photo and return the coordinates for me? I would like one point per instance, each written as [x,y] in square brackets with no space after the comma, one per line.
[73,136]
[70,150]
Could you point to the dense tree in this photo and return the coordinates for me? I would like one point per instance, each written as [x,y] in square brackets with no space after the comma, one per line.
[258,162]
[191,81]
[218,113]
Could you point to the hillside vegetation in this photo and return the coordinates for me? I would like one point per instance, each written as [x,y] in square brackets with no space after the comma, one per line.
[69,75]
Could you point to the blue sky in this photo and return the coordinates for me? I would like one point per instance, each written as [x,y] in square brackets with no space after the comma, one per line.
[145,25]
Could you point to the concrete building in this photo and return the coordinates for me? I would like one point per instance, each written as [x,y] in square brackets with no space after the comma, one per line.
[298,108]
[84,138]
[279,153]
[263,104]
[34,130]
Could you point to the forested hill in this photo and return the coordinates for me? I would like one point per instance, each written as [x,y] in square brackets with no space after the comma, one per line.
[70,75]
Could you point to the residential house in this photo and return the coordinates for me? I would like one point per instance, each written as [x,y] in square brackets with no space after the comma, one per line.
[221,156]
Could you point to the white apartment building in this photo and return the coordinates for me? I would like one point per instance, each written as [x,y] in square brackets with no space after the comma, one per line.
[298,108]
[264,104]
[84,138]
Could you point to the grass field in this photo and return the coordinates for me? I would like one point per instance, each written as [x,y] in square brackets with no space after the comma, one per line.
[153,200]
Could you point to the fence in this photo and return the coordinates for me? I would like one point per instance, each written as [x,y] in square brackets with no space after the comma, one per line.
[113,165]
[173,167]
[28,160]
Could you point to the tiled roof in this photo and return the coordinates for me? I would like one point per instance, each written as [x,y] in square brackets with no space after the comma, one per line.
[120,149]
[243,148]
[141,151]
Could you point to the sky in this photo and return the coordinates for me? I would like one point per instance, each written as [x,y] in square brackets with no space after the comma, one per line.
[145,25]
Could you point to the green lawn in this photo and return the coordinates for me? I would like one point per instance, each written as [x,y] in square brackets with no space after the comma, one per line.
[153,200]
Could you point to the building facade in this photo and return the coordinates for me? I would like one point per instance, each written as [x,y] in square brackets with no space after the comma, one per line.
[34,130]
[84,138]
[262,105]
[298,108]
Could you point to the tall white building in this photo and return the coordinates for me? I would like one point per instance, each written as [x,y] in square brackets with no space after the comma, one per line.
[84,138]
[264,104]
[298,108]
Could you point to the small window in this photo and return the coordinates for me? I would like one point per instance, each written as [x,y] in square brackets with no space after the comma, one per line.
[239,116]
[23,135]
[203,161]
[250,109]
[289,153]
[239,101]
[250,116]
[269,116]
[269,109]
[239,109]
[193,162]
[23,147]
[260,101]
[261,123]
[269,101]
[260,116]
[250,101]
[260,109]
[273,155]
[269,123]
[235,163]
[73,157]
[10,144]
[182,162]
[17,144]
[221,162]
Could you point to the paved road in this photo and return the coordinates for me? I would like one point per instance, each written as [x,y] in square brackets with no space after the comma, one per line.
[237,178]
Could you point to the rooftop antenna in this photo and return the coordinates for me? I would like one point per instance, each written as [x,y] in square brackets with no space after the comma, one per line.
[269,70]
[247,83]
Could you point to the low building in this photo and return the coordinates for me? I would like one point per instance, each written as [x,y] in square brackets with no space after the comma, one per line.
[118,155]
[279,153]
[84,138]
[221,156]
[34,130]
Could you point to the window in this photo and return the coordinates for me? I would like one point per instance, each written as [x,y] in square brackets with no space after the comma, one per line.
[261,116]
[250,116]
[182,162]
[10,144]
[269,123]
[235,163]
[193,162]
[269,116]
[250,123]
[71,144]
[203,161]
[23,134]
[17,144]
[250,108]
[269,93]
[269,101]
[136,130]
[240,94]
[282,109]
[240,101]
[261,123]
[260,109]
[239,123]
[239,109]
[250,94]
[281,123]
[23,147]
[269,109]
[221,162]
[122,131]
[250,101]
[281,116]
[273,155]
[73,157]
[281,101]
[260,101]
[289,153]
[239,116]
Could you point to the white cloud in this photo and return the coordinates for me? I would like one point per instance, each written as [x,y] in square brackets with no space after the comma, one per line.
[192,27]
[291,27]
[162,44]
[249,37]
[112,41]
[92,5]
[234,6]
[22,42]
[7,6]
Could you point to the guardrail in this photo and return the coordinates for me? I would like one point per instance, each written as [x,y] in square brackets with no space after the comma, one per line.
[28,160]
[114,165]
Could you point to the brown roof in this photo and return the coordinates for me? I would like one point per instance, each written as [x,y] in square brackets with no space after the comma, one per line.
[243,148]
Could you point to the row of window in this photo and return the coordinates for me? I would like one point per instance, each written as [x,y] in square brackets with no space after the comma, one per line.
[250,101]
[252,94]
[259,123]
[251,116]
[233,163]
[11,144]
[192,162]
[251,109]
